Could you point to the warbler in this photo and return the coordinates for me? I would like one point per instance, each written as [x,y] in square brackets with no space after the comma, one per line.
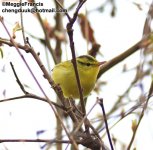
[64,75]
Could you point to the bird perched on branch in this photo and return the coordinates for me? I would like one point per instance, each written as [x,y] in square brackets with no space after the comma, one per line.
[64,75]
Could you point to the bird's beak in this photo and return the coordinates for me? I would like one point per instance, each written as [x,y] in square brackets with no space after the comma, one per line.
[101,63]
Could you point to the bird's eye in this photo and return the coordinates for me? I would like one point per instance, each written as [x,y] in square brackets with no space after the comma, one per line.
[88,64]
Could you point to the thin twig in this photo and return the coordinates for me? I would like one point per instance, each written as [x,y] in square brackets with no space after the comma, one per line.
[70,34]
[106,124]
[125,114]
[76,108]
[17,79]
[141,115]
[69,18]
[84,118]
[29,95]
[50,141]
[22,26]
[95,132]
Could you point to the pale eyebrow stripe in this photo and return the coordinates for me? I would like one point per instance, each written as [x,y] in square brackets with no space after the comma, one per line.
[88,57]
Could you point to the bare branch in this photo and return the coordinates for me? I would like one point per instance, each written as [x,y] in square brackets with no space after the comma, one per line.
[49,141]
[29,95]
[106,124]
[144,42]
[17,79]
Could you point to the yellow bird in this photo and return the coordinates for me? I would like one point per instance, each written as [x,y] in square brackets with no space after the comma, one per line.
[64,75]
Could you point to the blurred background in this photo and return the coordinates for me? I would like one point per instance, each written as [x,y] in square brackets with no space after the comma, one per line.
[104,29]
